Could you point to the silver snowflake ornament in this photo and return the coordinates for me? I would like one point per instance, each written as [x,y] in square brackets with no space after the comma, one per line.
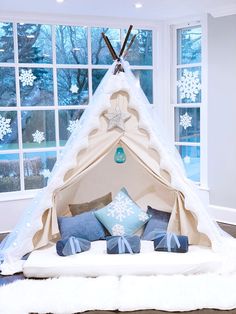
[4,127]
[27,77]
[187,159]
[185,120]
[117,119]
[189,85]
[46,173]
[38,136]
[118,230]
[74,89]
[73,124]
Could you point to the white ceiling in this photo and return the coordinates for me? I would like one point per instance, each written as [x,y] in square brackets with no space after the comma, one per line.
[152,9]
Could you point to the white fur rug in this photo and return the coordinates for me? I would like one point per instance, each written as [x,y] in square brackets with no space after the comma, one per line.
[66,295]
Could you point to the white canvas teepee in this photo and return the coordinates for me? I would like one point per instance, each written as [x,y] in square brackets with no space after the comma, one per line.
[152,174]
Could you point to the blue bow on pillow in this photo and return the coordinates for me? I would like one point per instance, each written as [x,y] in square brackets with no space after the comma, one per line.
[72,245]
[123,244]
[170,242]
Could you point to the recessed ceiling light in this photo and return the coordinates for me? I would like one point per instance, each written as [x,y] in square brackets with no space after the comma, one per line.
[138,5]
[60,1]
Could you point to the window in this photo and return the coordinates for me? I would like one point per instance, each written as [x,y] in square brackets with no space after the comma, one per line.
[188,97]
[48,73]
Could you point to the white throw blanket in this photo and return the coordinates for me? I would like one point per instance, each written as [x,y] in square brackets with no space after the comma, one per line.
[66,295]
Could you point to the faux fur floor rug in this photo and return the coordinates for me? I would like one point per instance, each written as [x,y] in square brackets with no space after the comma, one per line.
[66,295]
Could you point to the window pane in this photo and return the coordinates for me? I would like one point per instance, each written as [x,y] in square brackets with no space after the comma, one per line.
[36,87]
[68,120]
[189,85]
[37,169]
[34,43]
[6,42]
[9,173]
[38,128]
[187,124]
[100,52]
[144,78]
[140,52]
[97,76]
[71,44]
[8,130]
[7,87]
[191,159]
[189,45]
[72,86]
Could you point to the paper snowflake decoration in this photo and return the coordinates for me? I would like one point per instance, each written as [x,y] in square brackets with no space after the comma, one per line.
[74,89]
[38,136]
[187,159]
[46,173]
[185,120]
[117,118]
[27,77]
[73,124]
[118,230]
[189,85]
[143,216]
[4,127]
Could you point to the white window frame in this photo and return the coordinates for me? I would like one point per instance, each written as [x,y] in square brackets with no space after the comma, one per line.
[203,184]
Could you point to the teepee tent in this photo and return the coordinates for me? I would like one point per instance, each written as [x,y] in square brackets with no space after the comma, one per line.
[119,115]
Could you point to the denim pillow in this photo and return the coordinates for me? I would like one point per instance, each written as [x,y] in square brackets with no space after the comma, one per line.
[158,222]
[84,226]
[122,216]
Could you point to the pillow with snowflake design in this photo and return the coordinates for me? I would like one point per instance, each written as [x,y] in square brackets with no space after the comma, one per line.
[122,216]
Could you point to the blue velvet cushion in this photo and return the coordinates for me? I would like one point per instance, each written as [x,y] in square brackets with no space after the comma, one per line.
[170,242]
[84,226]
[72,245]
[158,222]
[123,244]
[122,216]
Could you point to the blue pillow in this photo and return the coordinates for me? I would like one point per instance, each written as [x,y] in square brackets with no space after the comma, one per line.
[158,222]
[122,216]
[84,226]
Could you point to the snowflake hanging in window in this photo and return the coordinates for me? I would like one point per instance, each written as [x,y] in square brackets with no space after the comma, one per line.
[189,85]
[38,136]
[187,159]
[27,77]
[185,120]
[74,89]
[120,208]
[143,216]
[118,230]
[46,173]
[4,127]
[73,124]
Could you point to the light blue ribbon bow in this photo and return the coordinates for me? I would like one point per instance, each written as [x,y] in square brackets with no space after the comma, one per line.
[72,246]
[167,239]
[122,245]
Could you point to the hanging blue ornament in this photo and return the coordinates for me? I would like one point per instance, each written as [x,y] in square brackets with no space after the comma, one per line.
[120,156]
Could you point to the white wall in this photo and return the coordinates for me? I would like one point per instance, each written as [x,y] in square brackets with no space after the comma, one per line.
[222,110]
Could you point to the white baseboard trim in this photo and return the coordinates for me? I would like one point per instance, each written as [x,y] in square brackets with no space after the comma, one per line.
[223,214]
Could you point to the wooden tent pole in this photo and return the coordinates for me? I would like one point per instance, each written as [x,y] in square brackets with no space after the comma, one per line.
[125,41]
[130,44]
[109,46]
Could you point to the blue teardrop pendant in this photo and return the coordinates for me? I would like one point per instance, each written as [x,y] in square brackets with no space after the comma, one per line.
[120,156]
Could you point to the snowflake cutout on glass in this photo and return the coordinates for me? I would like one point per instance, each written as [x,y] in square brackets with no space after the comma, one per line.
[118,230]
[27,77]
[38,136]
[4,127]
[187,159]
[73,124]
[74,89]
[189,85]
[46,173]
[143,216]
[185,120]
[120,208]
